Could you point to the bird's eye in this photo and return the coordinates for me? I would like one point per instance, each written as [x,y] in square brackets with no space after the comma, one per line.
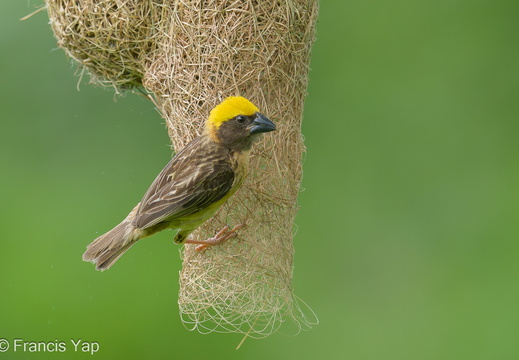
[241,119]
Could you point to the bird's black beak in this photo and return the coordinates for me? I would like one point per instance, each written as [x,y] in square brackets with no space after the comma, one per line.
[261,124]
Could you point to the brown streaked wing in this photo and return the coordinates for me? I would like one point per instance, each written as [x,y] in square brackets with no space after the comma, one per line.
[201,177]
[178,161]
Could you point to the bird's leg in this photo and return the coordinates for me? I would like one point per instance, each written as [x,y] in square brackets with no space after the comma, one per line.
[222,236]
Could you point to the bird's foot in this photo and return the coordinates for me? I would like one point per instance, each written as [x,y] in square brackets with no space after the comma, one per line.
[222,236]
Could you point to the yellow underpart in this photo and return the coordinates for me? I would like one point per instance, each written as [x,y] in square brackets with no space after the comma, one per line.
[228,109]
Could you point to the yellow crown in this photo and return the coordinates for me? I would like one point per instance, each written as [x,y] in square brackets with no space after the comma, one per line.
[230,108]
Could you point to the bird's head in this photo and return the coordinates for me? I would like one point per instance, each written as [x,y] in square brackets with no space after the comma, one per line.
[236,122]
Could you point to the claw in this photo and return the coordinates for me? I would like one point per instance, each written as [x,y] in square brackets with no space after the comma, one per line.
[221,237]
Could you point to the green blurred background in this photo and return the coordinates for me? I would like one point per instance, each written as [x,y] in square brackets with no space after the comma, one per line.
[407,245]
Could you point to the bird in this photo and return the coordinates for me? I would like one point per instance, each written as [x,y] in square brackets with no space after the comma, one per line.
[195,183]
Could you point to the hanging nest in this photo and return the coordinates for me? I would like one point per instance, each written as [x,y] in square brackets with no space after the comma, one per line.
[109,39]
[191,55]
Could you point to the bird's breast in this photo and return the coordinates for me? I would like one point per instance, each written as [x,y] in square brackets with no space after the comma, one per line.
[239,162]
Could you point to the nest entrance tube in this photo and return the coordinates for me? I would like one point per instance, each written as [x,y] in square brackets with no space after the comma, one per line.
[191,55]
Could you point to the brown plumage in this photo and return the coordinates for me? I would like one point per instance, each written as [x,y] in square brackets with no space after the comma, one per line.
[192,186]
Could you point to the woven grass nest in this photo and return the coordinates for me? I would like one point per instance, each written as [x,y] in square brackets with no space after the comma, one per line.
[190,55]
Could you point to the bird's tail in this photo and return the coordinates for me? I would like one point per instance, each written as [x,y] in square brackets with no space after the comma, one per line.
[106,249]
